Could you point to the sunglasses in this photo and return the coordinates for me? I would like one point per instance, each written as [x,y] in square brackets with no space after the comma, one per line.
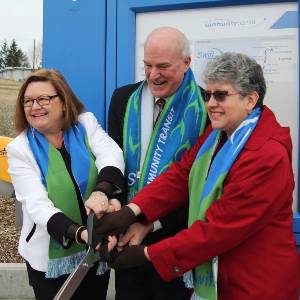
[219,96]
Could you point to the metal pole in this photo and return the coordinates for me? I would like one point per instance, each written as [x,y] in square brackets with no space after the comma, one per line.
[33,62]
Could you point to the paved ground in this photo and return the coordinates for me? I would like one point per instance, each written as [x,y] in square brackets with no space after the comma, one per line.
[14,283]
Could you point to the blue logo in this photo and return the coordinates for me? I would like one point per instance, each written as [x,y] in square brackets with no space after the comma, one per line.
[209,54]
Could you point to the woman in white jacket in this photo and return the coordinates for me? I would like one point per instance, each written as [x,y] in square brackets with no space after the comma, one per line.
[60,162]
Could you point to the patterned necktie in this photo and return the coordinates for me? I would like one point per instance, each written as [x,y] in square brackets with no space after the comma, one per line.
[160,103]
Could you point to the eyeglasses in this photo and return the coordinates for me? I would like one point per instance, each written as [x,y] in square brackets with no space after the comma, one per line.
[219,96]
[41,100]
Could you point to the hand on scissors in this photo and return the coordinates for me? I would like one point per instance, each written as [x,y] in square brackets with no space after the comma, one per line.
[84,236]
[106,247]
[113,205]
[117,222]
[129,257]
[98,203]
[111,243]
[135,234]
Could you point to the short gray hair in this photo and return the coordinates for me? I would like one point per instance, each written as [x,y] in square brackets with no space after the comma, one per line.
[239,70]
[186,48]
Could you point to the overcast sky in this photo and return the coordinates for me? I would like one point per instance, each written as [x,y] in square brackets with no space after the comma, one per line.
[21,20]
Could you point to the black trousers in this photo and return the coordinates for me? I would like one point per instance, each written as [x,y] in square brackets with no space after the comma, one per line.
[46,288]
[144,283]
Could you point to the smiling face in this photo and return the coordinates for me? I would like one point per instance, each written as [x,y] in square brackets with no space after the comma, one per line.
[228,114]
[164,64]
[47,119]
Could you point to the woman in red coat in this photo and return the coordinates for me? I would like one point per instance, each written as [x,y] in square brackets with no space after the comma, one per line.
[239,182]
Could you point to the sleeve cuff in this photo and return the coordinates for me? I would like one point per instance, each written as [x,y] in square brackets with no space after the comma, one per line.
[106,187]
[114,177]
[57,227]
[164,261]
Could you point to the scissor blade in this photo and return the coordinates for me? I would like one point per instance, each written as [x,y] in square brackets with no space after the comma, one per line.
[73,281]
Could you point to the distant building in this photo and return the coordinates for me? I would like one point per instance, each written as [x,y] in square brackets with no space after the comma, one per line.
[16,73]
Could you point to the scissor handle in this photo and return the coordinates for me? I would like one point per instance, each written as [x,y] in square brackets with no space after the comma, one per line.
[103,250]
[90,224]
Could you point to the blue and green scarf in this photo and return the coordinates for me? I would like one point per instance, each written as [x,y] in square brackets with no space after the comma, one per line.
[206,186]
[61,191]
[180,123]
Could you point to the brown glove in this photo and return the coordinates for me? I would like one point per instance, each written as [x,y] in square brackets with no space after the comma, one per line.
[114,223]
[130,257]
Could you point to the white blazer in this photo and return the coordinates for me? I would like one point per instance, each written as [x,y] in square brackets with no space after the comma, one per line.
[36,206]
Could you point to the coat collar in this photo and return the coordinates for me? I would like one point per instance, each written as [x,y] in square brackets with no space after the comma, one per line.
[268,128]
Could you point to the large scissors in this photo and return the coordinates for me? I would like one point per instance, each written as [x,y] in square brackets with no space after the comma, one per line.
[74,279]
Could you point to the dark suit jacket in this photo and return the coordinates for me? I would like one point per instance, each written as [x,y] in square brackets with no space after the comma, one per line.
[175,221]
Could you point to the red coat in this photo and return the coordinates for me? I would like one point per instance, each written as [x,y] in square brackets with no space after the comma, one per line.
[249,227]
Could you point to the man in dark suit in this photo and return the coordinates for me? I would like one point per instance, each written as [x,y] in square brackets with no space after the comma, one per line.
[154,121]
